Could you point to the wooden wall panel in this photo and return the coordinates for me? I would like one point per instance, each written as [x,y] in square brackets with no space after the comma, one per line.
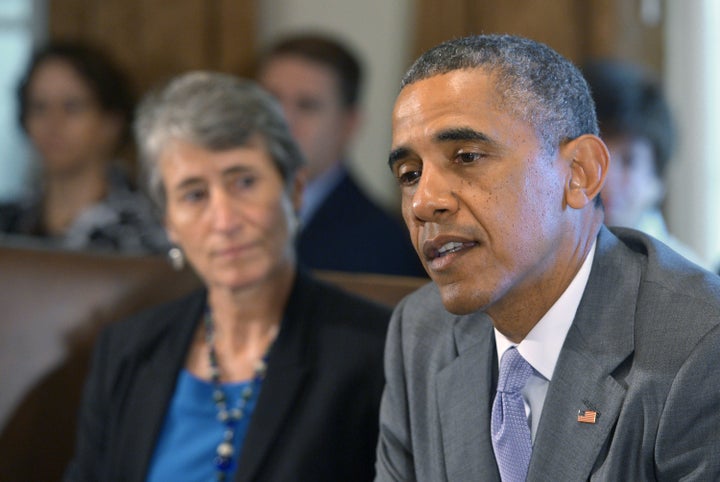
[617,29]
[436,21]
[237,32]
[156,39]
[576,28]
[556,23]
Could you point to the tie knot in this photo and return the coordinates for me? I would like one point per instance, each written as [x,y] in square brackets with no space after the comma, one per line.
[514,371]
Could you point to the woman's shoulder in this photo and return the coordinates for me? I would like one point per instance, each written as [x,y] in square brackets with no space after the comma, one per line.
[330,305]
[146,329]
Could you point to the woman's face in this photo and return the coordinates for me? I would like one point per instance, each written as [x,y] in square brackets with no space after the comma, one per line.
[230,212]
[64,120]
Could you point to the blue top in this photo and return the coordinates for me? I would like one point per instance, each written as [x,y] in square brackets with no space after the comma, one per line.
[191,431]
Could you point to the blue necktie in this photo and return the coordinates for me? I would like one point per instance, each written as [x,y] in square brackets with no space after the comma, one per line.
[509,425]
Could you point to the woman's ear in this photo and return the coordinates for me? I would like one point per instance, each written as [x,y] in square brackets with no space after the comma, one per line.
[589,161]
[168,225]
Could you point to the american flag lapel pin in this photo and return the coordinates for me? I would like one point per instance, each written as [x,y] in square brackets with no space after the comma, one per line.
[587,416]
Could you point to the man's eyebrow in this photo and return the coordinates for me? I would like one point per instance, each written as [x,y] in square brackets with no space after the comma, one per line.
[462,134]
[447,135]
[396,155]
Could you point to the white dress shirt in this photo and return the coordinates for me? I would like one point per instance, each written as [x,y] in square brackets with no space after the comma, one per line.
[541,347]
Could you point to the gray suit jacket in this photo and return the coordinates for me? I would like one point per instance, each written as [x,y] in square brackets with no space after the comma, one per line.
[643,351]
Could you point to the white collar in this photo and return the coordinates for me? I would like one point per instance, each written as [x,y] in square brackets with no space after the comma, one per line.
[541,347]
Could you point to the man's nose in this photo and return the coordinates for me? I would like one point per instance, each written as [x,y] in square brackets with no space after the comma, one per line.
[434,196]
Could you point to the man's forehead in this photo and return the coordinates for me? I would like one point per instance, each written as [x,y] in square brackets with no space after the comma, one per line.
[459,94]
[468,75]
[455,86]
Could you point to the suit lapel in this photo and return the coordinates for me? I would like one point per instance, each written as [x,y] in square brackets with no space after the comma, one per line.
[564,448]
[154,385]
[464,393]
[288,368]
[598,342]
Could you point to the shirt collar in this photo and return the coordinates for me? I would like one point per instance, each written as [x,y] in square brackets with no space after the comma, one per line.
[317,190]
[541,347]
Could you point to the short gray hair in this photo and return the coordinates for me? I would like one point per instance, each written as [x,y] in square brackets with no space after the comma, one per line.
[214,111]
[532,80]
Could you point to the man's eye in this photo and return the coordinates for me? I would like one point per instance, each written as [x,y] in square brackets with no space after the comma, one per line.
[468,157]
[245,182]
[309,105]
[408,178]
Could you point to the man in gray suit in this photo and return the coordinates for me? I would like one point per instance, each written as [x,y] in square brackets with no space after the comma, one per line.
[496,151]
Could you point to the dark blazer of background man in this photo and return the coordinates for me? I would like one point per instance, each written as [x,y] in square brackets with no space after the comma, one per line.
[317,80]
[496,151]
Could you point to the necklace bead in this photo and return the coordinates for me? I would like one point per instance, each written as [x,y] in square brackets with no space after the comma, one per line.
[225,459]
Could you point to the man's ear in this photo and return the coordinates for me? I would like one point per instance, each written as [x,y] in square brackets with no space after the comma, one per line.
[298,188]
[589,160]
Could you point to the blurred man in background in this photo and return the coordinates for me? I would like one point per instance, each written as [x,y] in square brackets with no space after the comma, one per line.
[318,83]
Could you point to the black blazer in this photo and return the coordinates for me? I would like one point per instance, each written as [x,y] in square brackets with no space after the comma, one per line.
[349,232]
[316,418]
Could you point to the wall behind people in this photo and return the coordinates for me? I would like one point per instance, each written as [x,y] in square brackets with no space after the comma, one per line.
[628,29]
[692,74]
[155,41]
[76,107]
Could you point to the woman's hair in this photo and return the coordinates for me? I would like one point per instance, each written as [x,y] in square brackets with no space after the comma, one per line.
[216,112]
[107,82]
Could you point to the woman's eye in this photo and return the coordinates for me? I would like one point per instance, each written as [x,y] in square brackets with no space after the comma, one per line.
[75,106]
[37,108]
[193,196]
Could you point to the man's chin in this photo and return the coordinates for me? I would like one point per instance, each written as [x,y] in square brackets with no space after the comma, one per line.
[461,300]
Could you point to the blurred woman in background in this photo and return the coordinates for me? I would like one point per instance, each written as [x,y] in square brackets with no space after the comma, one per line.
[76,108]
[267,373]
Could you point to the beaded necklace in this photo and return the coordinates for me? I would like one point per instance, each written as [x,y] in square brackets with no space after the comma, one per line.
[229,417]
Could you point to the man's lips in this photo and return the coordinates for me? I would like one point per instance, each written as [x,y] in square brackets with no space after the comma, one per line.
[440,247]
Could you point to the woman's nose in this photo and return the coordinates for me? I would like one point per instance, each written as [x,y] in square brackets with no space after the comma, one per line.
[225,212]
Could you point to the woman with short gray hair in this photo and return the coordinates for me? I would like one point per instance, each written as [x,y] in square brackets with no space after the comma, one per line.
[266,374]
[216,111]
